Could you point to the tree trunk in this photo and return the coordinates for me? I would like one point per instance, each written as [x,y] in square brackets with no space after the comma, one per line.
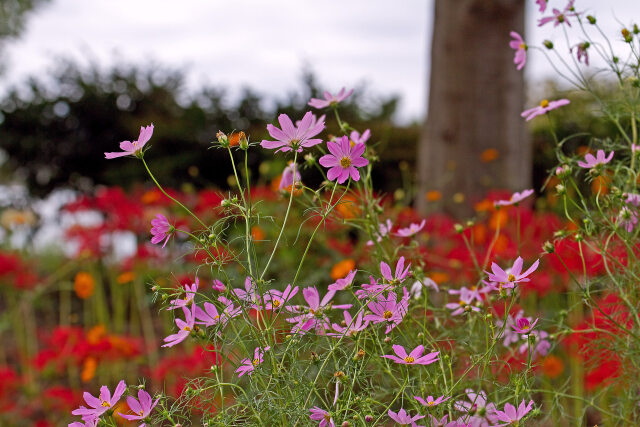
[474,138]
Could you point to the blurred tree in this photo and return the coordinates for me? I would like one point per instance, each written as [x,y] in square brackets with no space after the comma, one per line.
[13,14]
[56,130]
[473,138]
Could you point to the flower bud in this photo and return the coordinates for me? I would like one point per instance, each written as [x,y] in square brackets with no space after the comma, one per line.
[368,418]
[549,247]
[626,35]
[346,424]
[548,44]
[222,139]
[636,30]
[243,142]
[459,228]
[591,19]
[561,189]
[387,339]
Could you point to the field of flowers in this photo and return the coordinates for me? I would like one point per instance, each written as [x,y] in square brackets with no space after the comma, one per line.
[286,304]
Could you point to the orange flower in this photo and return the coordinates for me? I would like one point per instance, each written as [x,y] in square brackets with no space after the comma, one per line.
[479,233]
[484,206]
[498,219]
[125,277]
[83,285]
[235,137]
[150,197]
[88,369]
[552,366]
[489,155]
[433,195]
[257,233]
[600,184]
[439,277]
[348,207]
[95,334]
[342,268]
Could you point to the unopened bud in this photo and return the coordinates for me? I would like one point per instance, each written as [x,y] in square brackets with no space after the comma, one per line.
[549,247]
[459,228]
[368,418]
[387,339]
[561,189]
[626,35]
[222,139]
[591,19]
[548,44]
[243,142]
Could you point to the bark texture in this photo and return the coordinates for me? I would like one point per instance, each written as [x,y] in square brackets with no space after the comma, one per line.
[475,99]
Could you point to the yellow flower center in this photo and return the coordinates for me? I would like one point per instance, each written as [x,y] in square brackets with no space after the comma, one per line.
[544,103]
[462,302]
[276,303]
[511,278]
[522,46]
[106,404]
[186,328]
[256,362]
[432,403]
[345,162]
[294,142]
[387,314]
[141,413]
[409,359]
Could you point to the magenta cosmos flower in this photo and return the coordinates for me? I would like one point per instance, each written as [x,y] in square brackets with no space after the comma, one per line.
[275,300]
[189,293]
[356,138]
[411,229]
[352,326]
[581,52]
[524,326]
[400,274]
[247,366]
[544,107]
[210,315]
[141,407]
[508,279]
[431,401]
[323,416]
[344,283]
[388,310]
[133,148]
[248,294]
[290,176]
[599,159]
[520,58]
[343,160]
[413,358]
[100,405]
[330,100]
[558,16]
[403,418]
[477,406]
[511,415]
[185,327]
[292,137]
[542,4]
[161,230]
[515,198]
[313,317]
[464,304]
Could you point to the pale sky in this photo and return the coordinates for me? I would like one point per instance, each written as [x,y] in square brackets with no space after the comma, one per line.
[265,44]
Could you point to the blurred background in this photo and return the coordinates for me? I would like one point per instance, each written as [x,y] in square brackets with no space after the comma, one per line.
[434,82]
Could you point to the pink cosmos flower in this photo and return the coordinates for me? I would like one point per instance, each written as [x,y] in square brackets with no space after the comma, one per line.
[313,316]
[479,411]
[581,52]
[523,326]
[210,315]
[599,159]
[413,358]
[247,366]
[290,176]
[185,327]
[89,422]
[388,310]
[321,415]
[330,100]
[416,288]
[189,293]
[510,415]
[218,286]
[249,294]
[356,138]
[464,303]
[100,405]
[515,198]
[141,408]
[558,16]
[275,300]
[403,418]
[352,326]
[544,107]
[431,401]
[510,336]
[540,346]
[290,137]
[627,219]
[383,230]
[520,58]
[442,422]
[133,148]
[411,229]
[343,160]
[161,229]
[372,289]
[509,278]
[542,4]
[400,274]
[344,283]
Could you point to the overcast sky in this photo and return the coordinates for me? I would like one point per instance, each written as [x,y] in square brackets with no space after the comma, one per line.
[265,44]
